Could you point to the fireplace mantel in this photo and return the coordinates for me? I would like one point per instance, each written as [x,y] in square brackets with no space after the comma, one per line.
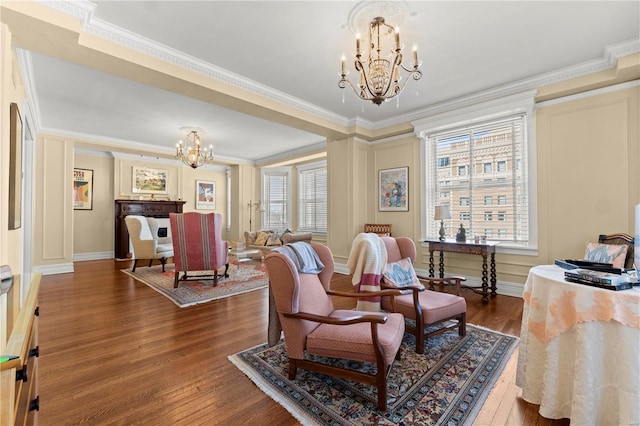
[142,208]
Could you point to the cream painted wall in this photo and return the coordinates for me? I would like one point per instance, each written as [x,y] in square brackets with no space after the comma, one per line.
[588,152]
[400,152]
[53,227]
[349,174]
[588,182]
[113,178]
[93,229]
[123,177]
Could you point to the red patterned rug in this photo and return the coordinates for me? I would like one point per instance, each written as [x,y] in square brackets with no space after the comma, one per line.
[250,276]
[447,385]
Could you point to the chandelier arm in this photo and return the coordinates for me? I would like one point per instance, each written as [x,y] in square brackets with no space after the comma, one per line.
[405,83]
[343,83]
[363,89]
[412,70]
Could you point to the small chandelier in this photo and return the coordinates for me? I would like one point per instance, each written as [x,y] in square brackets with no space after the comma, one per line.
[191,154]
[380,74]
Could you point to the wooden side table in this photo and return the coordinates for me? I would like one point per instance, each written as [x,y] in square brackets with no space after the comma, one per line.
[483,249]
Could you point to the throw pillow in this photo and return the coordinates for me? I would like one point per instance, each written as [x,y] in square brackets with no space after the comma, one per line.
[286,231]
[606,253]
[262,238]
[273,240]
[400,274]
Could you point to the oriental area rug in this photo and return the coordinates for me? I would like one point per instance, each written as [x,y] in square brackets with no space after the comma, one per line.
[250,276]
[447,385]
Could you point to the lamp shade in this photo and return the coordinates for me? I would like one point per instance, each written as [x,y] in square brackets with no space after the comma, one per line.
[442,213]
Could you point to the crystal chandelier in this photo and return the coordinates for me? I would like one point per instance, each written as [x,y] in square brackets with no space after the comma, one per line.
[380,71]
[191,154]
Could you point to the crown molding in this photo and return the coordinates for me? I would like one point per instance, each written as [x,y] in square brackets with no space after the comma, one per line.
[590,93]
[609,60]
[85,11]
[299,152]
[121,146]
[166,161]
[26,69]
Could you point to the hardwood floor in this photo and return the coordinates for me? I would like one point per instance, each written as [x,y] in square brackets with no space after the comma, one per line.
[113,351]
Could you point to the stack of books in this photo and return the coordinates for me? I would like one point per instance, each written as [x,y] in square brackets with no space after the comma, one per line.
[587,264]
[598,279]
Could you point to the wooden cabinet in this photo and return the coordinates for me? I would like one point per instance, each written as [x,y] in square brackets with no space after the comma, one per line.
[141,208]
[19,404]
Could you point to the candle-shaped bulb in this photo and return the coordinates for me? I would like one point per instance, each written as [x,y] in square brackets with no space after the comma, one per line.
[343,64]
[358,44]
[415,56]
[397,34]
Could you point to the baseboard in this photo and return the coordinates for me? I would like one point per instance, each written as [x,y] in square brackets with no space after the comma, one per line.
[504,288]
[59,268]
[99,255]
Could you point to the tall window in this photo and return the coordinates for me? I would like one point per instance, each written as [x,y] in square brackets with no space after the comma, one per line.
[312,198]
[480,146]
[276,195]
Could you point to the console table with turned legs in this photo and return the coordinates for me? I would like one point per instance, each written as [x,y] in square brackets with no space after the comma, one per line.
[487,249]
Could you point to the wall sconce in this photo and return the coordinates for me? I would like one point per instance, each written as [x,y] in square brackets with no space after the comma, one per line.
[442,213]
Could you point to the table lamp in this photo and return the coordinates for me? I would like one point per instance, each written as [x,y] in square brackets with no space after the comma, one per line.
[442,213]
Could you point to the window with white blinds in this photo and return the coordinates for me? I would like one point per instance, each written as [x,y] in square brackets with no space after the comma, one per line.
[276,194]
[479,171]
[312,198]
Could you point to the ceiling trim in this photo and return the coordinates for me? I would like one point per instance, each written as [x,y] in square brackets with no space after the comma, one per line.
[26,68]
[609,60]
[167,161]
[85,11]
[123,37]
[590,93]
[299,152]
[106,144]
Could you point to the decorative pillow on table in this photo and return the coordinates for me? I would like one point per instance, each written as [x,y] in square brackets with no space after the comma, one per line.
[606,253]
[400,273]
[262,238]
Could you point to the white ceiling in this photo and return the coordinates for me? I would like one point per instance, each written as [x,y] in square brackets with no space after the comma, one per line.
[291,50]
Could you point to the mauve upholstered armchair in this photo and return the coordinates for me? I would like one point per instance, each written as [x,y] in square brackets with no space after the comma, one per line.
[311,324]
[198,245]
[145,241]
[425,307]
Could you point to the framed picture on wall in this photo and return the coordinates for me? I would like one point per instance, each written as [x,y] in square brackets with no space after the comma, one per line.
[205,195]
[149,181]
[15,167]
[82,189]
[393,190]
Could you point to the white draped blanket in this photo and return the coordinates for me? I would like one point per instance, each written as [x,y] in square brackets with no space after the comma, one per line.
[366,263]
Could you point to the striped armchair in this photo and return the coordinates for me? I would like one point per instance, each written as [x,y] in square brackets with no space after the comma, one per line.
[198,246]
